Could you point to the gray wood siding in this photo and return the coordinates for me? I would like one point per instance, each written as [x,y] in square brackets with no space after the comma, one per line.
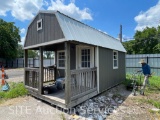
[50,30]
[73,57]
[108,77]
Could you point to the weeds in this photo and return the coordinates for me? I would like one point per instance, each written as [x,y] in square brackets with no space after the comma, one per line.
[154,82]
[16,90]
[62,116]
[155,103]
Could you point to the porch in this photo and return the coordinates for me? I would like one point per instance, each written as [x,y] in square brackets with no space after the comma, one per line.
[80,84]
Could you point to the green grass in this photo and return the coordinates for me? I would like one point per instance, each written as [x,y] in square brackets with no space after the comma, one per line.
[153,102]
[16,90]
[154,88]
[153,112]
[154,82]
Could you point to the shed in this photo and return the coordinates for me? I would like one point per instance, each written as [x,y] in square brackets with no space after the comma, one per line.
[89,60]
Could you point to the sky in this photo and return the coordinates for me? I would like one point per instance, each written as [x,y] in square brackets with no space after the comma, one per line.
[104,15]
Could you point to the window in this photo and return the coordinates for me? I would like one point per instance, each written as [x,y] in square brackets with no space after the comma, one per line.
[61,59]
[39,24]
[115,59]
[85,58]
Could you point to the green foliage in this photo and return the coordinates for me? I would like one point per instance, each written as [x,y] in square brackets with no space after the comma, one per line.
[48,54]
[154,82]
[9,38]
[129,46]
[153,88]
[20,53]
[32,53]
[16,90]
[146,42]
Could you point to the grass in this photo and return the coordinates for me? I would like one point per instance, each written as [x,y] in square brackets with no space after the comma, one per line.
[153,102]
[154,88]
[154,82]
[16,90]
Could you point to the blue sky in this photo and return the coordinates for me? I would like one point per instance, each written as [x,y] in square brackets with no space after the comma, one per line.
[104,15]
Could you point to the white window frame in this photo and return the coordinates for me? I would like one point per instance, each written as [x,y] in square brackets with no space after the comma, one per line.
[115,67]
[39,28]
[79,59]
[61,59]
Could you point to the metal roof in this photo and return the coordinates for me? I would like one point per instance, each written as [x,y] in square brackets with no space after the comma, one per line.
[74,30]
[78,31]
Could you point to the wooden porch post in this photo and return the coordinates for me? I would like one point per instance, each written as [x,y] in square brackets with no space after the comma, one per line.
[67,74]
[25,65]
[55,69]
[41,72]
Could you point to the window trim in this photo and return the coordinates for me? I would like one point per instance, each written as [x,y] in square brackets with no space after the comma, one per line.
[115,67]
[78,56]
[58,59]
[39,28]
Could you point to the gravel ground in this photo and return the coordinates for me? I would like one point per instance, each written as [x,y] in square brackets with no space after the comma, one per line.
[29,108]
[15,75]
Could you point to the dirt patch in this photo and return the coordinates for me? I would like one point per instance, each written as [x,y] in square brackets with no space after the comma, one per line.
[133,107]
[13,101]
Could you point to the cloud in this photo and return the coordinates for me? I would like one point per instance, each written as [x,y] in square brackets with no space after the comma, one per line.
[126,38]
[23,30]
[71,10]
[26,9]
[21,9]
[5,6]
[150,18]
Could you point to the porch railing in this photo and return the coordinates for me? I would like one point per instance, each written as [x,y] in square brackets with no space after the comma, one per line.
[83,81]
[48,74]
[32,76]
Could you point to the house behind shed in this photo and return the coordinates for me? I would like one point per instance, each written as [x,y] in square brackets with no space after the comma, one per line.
[88,60]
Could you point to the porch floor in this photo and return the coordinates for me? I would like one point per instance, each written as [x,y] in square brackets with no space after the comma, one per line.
[57,95]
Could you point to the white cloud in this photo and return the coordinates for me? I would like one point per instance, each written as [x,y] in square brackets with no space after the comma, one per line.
[150,18]
[71,9]
[23,30]
[21,9]
[126,38]
[5,6]
[25,10]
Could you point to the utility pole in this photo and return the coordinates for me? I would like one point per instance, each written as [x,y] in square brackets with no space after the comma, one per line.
[120,34]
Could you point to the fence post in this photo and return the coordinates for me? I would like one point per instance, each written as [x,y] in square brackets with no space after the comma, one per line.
[147,59]
[17,63]
[33,62]
[23,62]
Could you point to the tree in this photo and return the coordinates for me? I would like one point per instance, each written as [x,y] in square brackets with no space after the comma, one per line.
[20,53]
[48,54]
[9,38]
[146,40]
[129,46]
[32,53]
